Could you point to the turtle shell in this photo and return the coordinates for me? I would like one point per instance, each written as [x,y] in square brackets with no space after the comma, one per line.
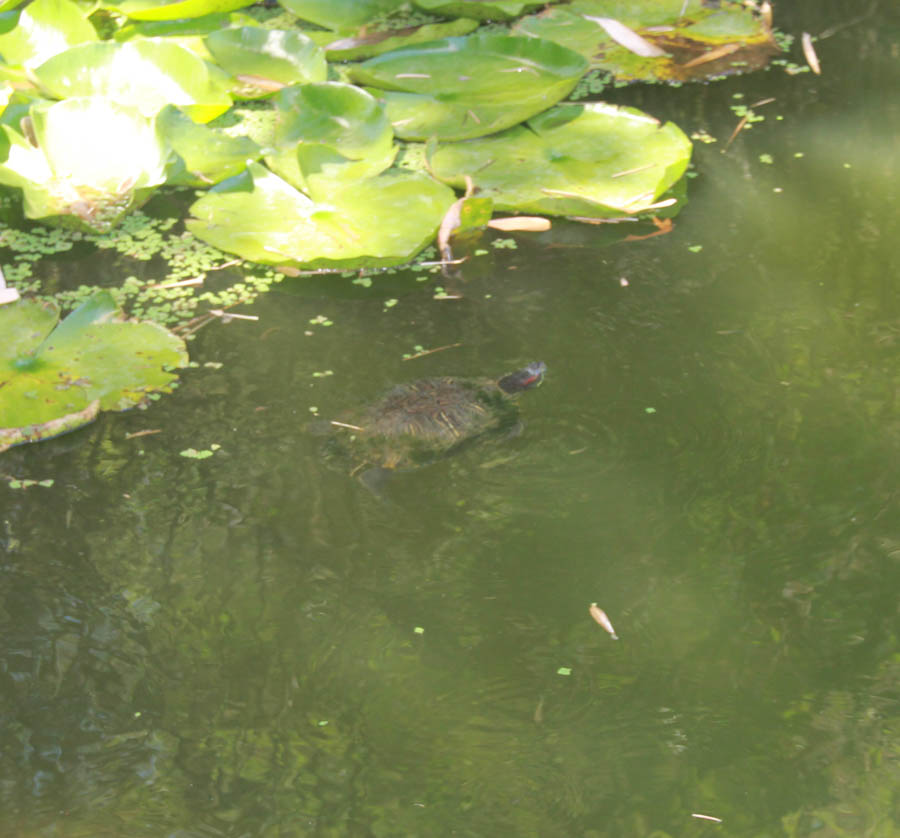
[416,423]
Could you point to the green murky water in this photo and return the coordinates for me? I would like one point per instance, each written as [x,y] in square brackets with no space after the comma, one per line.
[254,645]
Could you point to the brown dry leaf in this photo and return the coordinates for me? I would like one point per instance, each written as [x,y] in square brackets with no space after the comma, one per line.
[809,53]
[602,620]
[524,223]
[712,55]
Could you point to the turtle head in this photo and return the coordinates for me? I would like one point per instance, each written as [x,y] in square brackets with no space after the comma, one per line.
[523,379]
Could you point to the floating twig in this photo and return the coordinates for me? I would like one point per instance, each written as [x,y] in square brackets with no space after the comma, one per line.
[706,817]
[148,432]
[425,352]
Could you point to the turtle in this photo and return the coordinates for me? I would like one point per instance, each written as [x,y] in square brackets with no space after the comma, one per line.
[413,424]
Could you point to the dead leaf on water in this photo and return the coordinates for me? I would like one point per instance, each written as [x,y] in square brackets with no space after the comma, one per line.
[524,223]
[602,620]
[627,37]
[809,53]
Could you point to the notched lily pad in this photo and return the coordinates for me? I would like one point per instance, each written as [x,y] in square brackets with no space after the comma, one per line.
[44,28]
[265,60]
[202,156]
[479,9]
[330,131]
[340,15]
[377,222]
[593,160]
[57,379]
[91,161]
[369,44]
[696,42]
[459,88]
[146,73]
[167,10]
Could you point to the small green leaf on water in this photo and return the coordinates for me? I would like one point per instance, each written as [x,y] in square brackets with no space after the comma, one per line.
[214,446]
[419,630]
[390,303]
[363,281]
[321,320]
[649,410]
[798,154]
[313,409]
[46,483]
[323,723]
[15,484]
[695,248]
[564,670]
[323,374]
[481,252]
[766,158]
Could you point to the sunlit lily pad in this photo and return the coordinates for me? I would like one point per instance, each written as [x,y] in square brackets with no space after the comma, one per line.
[593,160]
[145,73]
[480,9]
[458,88]
[702,42]
[167,10]
[202,156]
[56,379]
[376,222]
[330,131]
[94,161]
[340,14]
[264,60]
[366,45]
[45,28]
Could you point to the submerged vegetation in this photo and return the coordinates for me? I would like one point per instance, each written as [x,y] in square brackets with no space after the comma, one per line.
[327,135]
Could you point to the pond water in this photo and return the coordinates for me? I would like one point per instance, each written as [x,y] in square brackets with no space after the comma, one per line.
[255,645]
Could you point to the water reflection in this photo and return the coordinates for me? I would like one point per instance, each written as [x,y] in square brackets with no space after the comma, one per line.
[253,645]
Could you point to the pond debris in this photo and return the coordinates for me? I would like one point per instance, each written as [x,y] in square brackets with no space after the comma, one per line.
[706,817]
[744,119]
[197,280]
[602,620]
[425,352]
[809,53]
[521,223]
[346,425]
[148,432]
[712,55]
[228,316]
[664,226]
[626,37]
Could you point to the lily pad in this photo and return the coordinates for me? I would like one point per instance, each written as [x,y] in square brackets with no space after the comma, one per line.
[330,131]
[45,28]
[56,379]
[372,223]
[167,10]
[696,42]
[340,15]
[147,73]
[366,45]
[479,9]
[593,160]
[459,88]
[264,60]
[93,162]
[202,156]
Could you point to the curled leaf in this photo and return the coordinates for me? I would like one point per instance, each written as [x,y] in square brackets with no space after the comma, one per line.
[521,223]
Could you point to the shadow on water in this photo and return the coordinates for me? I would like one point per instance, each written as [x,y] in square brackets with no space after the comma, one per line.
[255,645]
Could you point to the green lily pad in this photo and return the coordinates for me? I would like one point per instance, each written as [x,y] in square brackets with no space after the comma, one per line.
[330,131]
[94,161]
[370,44]
[147,73]
[56,379]
[340,15]
[202,156]
[479,9]
[5,5]
[167,10]
[459,88]
[593,160]
[45,28]
[702,43]
[377,222]
[259,57]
